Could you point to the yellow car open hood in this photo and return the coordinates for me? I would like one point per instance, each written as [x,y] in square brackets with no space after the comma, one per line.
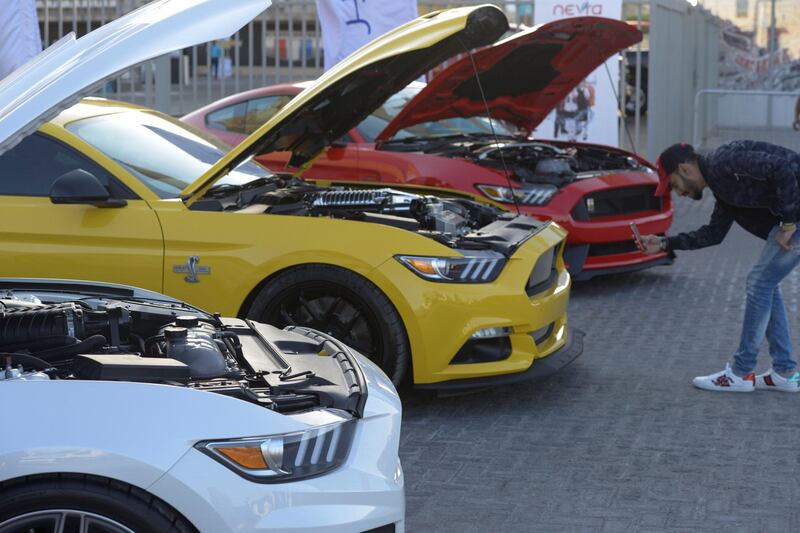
[359,84]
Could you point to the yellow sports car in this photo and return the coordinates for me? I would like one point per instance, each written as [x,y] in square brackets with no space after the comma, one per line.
[455,292]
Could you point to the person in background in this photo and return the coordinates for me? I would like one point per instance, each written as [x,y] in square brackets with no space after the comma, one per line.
[216,53]
[796,121]
[20,39]
[756,185]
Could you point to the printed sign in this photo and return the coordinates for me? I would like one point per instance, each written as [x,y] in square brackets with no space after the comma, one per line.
[347,25]
[588,113]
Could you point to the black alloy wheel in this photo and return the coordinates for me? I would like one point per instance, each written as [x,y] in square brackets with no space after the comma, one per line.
[342,304]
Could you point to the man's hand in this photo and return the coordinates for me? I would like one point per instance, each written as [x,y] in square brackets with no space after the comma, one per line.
[652,244]
[784,238]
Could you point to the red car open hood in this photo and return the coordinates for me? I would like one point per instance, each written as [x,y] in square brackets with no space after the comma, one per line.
[524,76]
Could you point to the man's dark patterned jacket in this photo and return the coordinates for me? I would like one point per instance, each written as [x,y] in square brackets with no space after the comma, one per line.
[755,185]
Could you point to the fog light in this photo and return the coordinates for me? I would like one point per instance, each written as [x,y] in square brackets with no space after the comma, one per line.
[491,333]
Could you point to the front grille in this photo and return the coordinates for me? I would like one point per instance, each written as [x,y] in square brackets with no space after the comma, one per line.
[612,248]
[614,202]
[389,528]
[544,273]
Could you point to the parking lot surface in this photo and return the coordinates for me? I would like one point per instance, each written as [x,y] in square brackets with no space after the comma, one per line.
[620,440]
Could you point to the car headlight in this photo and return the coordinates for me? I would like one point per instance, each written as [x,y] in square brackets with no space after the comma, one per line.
[475,267]
[530,195]
[284,457]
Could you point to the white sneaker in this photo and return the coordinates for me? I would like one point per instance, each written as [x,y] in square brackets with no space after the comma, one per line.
[725,381]
[773,381]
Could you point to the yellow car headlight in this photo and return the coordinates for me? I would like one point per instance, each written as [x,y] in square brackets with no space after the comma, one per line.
[481,266]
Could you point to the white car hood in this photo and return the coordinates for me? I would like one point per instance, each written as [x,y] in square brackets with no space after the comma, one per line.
[73,68]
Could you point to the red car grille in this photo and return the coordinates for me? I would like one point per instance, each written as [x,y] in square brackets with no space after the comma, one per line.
[614,202]
[612,248]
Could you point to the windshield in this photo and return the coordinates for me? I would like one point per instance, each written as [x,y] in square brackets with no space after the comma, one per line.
[164,154]
[374,124]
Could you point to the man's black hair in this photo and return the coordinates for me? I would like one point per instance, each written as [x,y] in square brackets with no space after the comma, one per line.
[675,155]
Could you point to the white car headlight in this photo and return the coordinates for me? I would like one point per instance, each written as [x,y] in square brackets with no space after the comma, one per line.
[474,267]
[284,457]
[529,195]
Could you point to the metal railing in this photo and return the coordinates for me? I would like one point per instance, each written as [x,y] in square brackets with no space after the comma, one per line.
[283,44]
[722,115]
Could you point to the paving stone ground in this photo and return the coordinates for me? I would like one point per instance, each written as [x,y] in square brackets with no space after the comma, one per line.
[620,441]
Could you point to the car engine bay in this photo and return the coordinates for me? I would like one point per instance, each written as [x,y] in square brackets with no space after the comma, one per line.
[97,338]
[456,222]
[533,162]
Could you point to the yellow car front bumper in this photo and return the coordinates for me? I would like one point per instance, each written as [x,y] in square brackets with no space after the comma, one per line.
[441,318]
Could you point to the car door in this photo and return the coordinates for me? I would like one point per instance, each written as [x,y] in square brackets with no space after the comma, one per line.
[72,241]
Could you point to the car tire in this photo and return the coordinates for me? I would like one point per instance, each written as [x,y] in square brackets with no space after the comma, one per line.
[341,303]
[113,503]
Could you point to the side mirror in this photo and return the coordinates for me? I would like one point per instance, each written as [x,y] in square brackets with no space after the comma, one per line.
[81,187]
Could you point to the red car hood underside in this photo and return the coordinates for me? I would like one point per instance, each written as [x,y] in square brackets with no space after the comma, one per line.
[523,77]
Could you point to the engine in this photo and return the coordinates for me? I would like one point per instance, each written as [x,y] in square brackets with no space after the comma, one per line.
[433,214]
[62,333]
[92,337]
[446,219]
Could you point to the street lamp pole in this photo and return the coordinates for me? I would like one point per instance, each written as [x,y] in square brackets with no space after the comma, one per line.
[773,31]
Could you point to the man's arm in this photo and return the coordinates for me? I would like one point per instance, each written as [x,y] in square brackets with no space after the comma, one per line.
[709,235]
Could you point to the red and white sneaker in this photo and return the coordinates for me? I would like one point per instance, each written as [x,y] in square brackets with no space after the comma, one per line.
[773,381]
[726,381]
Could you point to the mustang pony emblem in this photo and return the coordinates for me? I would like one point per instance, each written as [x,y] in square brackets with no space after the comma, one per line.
[191,269]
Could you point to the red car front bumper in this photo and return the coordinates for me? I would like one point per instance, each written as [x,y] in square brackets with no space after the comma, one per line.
[597,213]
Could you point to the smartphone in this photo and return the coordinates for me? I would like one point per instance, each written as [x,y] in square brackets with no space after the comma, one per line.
[637,237]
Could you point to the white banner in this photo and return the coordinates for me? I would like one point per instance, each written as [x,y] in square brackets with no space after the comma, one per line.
[19,34]
[347,25]
[589,112]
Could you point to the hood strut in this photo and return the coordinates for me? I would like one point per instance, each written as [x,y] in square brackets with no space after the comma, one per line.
[491,126]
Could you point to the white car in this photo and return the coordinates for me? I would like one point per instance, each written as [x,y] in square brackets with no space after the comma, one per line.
[130,411]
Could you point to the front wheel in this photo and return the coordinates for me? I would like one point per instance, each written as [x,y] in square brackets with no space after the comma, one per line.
[83,504]
[342,304]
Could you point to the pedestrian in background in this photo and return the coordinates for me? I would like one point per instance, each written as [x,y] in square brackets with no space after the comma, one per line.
[216,53]
[20,39]
[756,185]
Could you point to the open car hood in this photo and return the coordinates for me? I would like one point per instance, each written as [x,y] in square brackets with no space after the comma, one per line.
[345,95]
[523,77]
[72,68]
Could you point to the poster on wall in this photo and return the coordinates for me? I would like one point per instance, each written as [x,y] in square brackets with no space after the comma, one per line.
[347,25]
[589,112]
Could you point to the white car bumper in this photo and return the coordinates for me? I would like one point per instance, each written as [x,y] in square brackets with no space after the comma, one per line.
[365,493]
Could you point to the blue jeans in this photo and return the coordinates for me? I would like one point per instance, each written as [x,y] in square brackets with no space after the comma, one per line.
[765,314]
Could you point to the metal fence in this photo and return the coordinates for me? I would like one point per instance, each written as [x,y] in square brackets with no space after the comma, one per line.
[724,115]
[282,44]
[684,59]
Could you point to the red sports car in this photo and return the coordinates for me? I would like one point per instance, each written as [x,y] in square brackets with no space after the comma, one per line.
[438,135]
